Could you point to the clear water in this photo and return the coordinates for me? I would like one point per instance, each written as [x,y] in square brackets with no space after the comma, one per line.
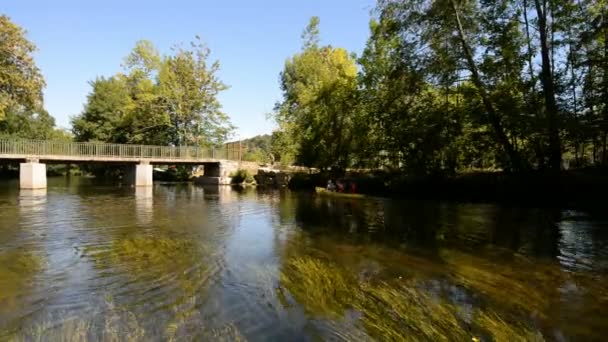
[190,263]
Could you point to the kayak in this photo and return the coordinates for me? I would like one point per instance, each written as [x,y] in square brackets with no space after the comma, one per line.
[325,192]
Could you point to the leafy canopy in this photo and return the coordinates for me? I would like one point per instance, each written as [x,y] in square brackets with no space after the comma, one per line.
[163,100]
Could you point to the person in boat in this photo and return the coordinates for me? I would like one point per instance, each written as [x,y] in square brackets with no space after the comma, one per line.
[340,185]
[331,186]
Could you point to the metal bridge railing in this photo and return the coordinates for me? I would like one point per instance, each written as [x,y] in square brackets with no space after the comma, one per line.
[41,148]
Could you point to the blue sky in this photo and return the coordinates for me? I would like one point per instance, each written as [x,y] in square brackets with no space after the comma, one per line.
[80,40]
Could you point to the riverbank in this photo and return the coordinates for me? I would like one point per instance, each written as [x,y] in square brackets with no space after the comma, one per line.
[583,187]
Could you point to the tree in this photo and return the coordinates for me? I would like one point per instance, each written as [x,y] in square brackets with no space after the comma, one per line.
[547,80]
[29,125]
[189,87]
[490,48]
[22,114]
[105,109]
[256,149]
[319,102]
[593,40]
[21,82]
[409,125]
[162,100]
[282,147]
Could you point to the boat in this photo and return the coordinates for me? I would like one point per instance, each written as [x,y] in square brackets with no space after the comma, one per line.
[324,192]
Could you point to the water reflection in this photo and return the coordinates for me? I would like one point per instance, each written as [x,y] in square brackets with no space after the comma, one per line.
[32,201]
[188,262]
[429,226]
[522,260]
[144,205]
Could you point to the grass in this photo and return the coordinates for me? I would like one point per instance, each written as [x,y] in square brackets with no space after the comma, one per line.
[340,303]
[404,312]
[143,255]
[500,330]
[115,324]
[320,287]
[17,269]
[111,323]
[164,260]
[493,281]
[399,310]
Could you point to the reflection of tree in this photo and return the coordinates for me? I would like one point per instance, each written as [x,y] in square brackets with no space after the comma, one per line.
[372,221]
[475,264]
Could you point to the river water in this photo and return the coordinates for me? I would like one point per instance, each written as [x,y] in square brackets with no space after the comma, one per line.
[181,262]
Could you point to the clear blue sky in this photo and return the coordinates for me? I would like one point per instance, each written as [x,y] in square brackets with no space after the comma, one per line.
[80,40]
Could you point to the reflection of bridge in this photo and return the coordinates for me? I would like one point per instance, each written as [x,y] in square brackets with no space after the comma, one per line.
[33,154]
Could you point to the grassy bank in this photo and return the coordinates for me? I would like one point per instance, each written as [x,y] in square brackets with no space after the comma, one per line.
[583,187]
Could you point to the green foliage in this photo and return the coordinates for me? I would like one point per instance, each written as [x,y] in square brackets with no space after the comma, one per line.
[256,149]
[447,86]
[21,82]
[29,125]
[241,176]
[310,36]
[282,147]
[104,111]
[163,100]
[317,112]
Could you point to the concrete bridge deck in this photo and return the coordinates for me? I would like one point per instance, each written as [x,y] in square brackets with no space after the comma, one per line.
[32,154]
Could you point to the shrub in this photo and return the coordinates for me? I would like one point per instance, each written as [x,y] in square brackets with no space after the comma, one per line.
[241,176]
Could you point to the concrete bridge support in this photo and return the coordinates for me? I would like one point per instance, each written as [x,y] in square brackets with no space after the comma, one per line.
[139,174]
[217,173]
[32,175]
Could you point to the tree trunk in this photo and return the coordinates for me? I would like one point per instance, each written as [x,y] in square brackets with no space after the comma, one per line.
[605,96]
[595,150]
[604,156]
[555,153]
[528,41]
[514,157]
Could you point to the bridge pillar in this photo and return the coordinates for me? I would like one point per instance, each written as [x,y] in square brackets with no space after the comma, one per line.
[32,175]
[217,173]
[140,174]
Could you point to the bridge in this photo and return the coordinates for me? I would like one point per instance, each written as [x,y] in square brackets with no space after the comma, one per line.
[33,155]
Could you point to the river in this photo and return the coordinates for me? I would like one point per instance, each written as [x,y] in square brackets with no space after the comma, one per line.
[182,262]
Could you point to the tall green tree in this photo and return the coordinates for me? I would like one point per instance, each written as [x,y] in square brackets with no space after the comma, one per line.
[500,67]
[105,110]
[164,100]
[409,122]
[29,125]
[22,114]
[593,42]
[21,82]
[319,102]
[188,87]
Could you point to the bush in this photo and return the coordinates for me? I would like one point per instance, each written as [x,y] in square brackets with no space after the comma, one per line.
[241,176]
